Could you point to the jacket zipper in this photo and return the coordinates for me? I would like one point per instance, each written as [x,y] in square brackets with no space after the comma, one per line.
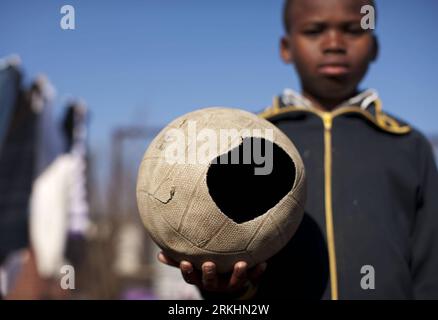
[327,118]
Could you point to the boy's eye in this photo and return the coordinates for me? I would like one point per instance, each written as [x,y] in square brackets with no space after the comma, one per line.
[354,29]
[313,30]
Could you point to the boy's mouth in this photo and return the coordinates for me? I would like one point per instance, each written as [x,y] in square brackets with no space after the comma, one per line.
[333,69]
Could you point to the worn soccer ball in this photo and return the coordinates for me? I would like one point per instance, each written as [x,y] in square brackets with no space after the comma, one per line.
[221,185]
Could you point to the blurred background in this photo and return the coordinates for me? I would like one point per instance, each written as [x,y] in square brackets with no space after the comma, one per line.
[79,107]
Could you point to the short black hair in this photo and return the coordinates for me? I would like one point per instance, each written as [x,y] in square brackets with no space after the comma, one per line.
[286,13]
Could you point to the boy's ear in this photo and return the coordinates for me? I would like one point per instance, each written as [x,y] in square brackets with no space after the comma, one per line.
[285,50]
[375,52]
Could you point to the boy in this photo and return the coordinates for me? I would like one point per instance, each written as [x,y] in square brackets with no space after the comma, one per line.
[370,230]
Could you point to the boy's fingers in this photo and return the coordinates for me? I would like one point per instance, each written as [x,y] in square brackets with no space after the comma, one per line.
[209,276]
[239,275]
[166,260]
[189,274]
[255,274]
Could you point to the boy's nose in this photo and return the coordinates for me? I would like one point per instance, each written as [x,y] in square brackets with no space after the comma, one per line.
[333,42]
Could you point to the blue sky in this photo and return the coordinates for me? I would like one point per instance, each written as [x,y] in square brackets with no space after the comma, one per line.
[146,62]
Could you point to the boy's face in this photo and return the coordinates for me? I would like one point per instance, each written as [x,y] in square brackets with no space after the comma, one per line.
[330,50]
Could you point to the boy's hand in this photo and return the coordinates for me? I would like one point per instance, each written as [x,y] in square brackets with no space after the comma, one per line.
[209,280]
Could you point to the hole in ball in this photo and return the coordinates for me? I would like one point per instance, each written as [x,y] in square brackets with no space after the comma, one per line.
[240,193]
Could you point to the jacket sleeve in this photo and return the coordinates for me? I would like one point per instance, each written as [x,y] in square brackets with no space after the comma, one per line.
[424,255]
